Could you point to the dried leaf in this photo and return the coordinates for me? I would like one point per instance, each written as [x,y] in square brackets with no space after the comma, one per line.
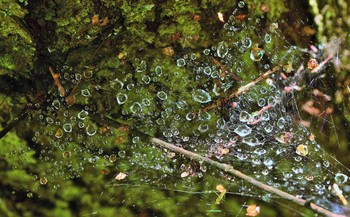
[184,174]
[222,191]
[253,210]
[220,188]
[120,176]
[302,150]
[221,17]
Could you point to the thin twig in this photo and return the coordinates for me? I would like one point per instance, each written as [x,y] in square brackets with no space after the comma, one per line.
[242,89]
[229,169]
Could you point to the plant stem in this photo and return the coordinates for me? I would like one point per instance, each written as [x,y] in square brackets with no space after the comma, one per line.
[229,169]
[242,89]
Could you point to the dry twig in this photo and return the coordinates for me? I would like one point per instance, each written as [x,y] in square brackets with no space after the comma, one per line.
[229,169]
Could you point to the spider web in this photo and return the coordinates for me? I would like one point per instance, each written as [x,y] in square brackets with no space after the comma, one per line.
[261,132]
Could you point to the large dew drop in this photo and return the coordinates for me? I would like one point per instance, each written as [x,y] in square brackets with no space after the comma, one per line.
[201,96]
[243,130]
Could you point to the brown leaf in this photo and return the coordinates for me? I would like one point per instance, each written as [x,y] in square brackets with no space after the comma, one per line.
[120,176]
[252,210]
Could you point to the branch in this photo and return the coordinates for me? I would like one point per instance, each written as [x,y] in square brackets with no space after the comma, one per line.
[229,169]
[243,89]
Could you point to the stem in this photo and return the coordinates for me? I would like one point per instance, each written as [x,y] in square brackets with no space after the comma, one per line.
[229,169]
[242,89]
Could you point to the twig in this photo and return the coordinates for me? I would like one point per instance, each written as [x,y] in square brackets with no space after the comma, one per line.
[242,89]
[229,169]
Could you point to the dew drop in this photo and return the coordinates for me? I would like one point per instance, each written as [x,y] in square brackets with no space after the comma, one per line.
[340,178]
[67,127]
[256,54]
[56,104]
[67,154]
[222,49]
[203,128]
[244,116]
[267,38]
[180,62]
[83,114]
[243,130]
[85,92]
[162,95]
[158,70]
[116,84]
[206,52]
[91,129]
[246,42]
[43,181]
[201,96]
[112,158]
[251,140]
[136,108]
[121,153]
[122,98]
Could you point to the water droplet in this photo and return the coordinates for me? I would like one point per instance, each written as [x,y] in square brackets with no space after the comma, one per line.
[122,98]
[49,120]
[281,122]
[268,128]
[121,153]
[203,128]
[142,66]
[67,127]
[256,54]
[251,141]
[85,92]
[241,4]
[136,108]
[246,42]
[340,178]
[83,114]
[180,62]
[201,96]
[112,158]
[91,129]
[265,172]
[116,84]
[206,52]
[261,102]
[267,38]
[93,159]
[146,102]
[203,115]
[162,95]
[190,116]
[243,130]
[263,90]
[158,70]
[222,49]
[43,181]
[244,116]
[56,104]
[207,70]
[67,154]
[146,79]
